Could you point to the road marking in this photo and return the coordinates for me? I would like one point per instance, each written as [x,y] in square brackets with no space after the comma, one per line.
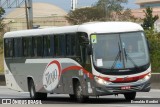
[144,97]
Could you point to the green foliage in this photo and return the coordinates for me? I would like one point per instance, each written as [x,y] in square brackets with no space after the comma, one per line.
[149,20]
[103,10]
[2,11]
[110,6]
[125,15]
[83,15]
[153,38]
[154,41]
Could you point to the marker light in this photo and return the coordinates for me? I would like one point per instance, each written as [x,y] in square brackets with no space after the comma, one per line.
[101,81]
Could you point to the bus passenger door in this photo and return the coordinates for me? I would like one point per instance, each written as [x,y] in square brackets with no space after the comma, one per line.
[86,64]
[83,47]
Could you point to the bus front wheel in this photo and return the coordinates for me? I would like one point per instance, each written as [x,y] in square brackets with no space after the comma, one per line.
[72,96]
[79,93]
[34,94]
[130,96]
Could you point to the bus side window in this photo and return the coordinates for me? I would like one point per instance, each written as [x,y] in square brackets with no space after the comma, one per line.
[8,47]
[85,58]
[83,41]
[37,46]
[34,42]
[62,45]
[56,45]
[83,44]
[46,45]
[51,46]
[68,45]
[59,45]
[17,47]
[71,44]
[83,54]
[27,47]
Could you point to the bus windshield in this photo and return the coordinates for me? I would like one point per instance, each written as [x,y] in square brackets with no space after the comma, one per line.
[119,51]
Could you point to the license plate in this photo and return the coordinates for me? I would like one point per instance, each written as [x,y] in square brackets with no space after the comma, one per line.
[125,87]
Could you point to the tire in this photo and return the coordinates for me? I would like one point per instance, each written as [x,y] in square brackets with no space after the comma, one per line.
[79,93]
[72,96]
[34,94]
[130,96]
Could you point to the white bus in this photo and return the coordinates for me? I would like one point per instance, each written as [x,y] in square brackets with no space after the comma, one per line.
[92,59]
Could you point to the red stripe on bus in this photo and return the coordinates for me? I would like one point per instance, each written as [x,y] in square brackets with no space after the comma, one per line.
[125,79]
[78,68]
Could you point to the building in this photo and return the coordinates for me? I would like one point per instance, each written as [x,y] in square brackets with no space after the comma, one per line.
[139,13]
[44,15]
[148,3]
[154,4]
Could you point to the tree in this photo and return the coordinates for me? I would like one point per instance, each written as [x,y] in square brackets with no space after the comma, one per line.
[111,8]
[86,14]
[103,10]
[125,15]
[149,20]
[2,11]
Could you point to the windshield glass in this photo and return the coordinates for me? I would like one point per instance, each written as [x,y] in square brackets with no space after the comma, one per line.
[119,51]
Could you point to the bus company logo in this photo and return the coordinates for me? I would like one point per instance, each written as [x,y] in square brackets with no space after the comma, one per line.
[51,75]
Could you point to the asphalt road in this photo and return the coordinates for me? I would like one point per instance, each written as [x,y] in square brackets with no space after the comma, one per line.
[61,100]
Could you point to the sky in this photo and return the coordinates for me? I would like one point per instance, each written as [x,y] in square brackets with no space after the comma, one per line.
[66,4]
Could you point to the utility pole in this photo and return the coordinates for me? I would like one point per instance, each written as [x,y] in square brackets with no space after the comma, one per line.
[74,4]
[30,14]
[16,4]
[26,14]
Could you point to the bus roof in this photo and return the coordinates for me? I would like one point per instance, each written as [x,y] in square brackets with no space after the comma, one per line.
[89,28]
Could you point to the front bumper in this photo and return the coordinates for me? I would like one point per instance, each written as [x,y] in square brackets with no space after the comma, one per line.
[115,88]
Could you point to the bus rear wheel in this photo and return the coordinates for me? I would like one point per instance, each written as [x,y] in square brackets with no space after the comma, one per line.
[130,96]
[79,93]
[34,94]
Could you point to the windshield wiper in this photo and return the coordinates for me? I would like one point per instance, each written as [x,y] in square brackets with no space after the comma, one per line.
[127,56]
[117,57]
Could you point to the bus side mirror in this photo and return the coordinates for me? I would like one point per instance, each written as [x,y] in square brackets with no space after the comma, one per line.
[89,49]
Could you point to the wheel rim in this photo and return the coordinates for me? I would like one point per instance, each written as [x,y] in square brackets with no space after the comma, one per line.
[79,92]
[32,92]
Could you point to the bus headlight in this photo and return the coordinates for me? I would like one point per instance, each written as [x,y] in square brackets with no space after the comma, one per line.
[147,77]
[101,81]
